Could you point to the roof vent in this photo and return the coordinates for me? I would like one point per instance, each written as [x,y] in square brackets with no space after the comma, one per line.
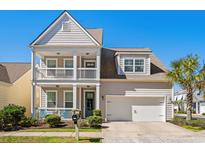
[66,26]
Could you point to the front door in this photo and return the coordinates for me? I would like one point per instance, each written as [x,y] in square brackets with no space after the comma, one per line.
[89,103]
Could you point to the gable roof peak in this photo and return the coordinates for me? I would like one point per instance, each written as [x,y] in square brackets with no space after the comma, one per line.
[64,14]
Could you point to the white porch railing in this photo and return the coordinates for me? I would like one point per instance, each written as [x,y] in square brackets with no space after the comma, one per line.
[64,113]
[65,73]
[54,73]
[86,73]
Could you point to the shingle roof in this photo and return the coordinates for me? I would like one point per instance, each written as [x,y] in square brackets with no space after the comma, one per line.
[97,34]
[109,70]
[131,49]
[10,72]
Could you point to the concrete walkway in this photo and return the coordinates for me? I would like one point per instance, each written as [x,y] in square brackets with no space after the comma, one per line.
[149,132]
[59,134]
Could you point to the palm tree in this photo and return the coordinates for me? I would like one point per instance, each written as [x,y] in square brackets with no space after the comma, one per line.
[189,75]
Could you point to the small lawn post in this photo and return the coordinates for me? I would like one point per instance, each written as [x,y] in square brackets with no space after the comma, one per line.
[75,118]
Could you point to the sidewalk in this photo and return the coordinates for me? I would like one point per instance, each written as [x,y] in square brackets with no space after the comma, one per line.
[61,134]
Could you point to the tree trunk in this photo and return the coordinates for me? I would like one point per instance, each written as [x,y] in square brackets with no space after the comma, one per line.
[189,103]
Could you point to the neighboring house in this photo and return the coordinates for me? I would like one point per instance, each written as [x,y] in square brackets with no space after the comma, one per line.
[15,85]
[198,101]
[76,72]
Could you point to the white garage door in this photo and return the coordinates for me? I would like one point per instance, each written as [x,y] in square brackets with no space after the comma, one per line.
[135,109]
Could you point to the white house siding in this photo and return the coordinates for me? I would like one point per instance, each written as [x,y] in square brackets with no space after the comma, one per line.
[75,36]
[147,62]
[120,88]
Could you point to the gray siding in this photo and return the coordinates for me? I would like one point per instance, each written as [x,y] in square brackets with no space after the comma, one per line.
[73,37]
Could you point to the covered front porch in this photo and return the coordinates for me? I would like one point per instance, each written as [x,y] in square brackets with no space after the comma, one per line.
[63,99]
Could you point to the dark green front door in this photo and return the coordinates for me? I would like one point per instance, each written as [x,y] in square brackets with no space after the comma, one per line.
[89,103]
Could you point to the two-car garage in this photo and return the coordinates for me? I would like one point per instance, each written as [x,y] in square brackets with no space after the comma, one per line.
[126,108]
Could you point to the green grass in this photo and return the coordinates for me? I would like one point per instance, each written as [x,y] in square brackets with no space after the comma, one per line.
[60,130]
[45,139]
[194,129]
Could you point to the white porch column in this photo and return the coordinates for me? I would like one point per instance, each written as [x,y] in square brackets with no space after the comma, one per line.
[197,107]
[97,96]
[98,64]
[74,96]
[75,66]
[33,79]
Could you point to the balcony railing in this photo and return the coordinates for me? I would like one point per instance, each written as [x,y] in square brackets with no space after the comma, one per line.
[64,113]
[54,73]
[86,73]
[65,73]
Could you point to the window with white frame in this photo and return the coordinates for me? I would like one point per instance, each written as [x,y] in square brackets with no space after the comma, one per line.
[51,99]
[133,65]
[68,63]
[68,99]
[139,65]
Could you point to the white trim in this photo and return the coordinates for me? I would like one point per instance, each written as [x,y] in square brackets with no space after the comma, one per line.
[40,96]
[84,91]
[133,59]
[80,99]
[56,22]
[89,60]
[56,91]
[165,108]
[67,83]
[64,91]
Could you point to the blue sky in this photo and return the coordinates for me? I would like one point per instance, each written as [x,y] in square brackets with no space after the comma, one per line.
[170,34]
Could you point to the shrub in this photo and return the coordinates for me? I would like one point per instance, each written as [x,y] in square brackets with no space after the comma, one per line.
[97,113]
[181,112]
[83,123]
[95,121]
[28,122]
[34,122]
[53,120]
[203,114]
[25,122]
[179,121]
[1,120]
[11,115]
[196,123]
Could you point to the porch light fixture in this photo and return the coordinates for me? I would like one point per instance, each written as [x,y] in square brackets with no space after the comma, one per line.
[88,86]
[57,86]
[87,53]
[58,53]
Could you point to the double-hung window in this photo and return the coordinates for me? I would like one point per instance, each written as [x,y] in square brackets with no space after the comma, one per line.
[139,65]
[133,65]
[51,99]
[68,64]
[68,99]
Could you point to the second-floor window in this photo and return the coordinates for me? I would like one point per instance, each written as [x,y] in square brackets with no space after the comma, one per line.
[134,65]
[68,63]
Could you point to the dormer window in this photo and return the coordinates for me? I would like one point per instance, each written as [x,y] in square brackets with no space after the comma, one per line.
[134,65]
[66,26]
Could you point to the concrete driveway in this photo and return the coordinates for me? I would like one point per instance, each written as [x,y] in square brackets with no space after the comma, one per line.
[148,132]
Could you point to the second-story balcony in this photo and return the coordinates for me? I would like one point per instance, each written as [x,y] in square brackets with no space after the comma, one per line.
[66,73]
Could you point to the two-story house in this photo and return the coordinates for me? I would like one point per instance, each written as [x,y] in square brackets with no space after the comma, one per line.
[76,72]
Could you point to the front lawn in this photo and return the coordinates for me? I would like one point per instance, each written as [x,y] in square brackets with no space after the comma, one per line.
[45,139]
[60,130]
[193,125]
[194,129]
